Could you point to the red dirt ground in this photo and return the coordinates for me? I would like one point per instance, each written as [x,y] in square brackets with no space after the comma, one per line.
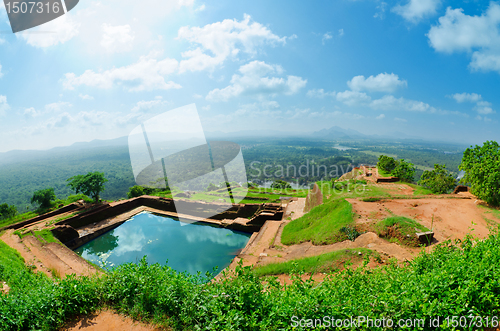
[106,321]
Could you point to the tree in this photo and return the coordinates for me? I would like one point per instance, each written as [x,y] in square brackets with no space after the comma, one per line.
[386,163]
[438,180]
[91,184]
[135,191]
[44,197]
[405,171]
[212,187]
[482,171]
[7,211]
[280,184]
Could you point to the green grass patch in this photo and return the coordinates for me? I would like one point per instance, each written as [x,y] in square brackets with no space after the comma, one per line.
[46,236]
[371,199]
[383,173]
[418,189]
[17,219]
[325,263]
[400,229]
[321,225]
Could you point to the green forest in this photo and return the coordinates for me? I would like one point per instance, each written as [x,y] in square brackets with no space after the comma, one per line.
[302,161]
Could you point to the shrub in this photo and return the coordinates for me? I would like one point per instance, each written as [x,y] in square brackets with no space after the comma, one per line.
[44,197]
[438,180]
[386,163]
[482,171]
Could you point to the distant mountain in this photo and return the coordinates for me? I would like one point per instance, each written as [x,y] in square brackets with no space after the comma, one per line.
[16,156]
[336,132]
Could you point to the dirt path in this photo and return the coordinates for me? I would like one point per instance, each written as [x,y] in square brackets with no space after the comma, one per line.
[29,258]
[106,321]
[448,218]
[52,259]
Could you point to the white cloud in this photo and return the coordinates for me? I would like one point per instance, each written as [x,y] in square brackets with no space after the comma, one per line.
[482,107]
[32,112]
[4,106]
[218,41]
[353,98]
[397,119]
[463,97]
[117,38]
[415,10]
[142,106]
[254,80]
[389,102]
[479,35]
[326,37]
[52,33]
[1,73]
[146,74]
[381,10]
[200,8]
[320,93]
[341,32]
[380,117]
[57,107]
[383,82]
[86,97]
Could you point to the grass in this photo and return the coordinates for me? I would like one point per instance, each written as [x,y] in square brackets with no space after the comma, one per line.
[419,190]
[401,229]
[18,218]
[324,263]
[455,279]
[383,173]
[46,236]
[321,225]
[377,154]
[493,211]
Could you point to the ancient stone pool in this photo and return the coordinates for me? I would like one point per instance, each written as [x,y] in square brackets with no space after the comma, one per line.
[187,247]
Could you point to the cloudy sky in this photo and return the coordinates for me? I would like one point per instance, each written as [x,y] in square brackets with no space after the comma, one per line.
[428,68]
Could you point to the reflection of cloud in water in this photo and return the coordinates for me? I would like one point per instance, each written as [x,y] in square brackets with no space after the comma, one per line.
[216,235]
[129,240]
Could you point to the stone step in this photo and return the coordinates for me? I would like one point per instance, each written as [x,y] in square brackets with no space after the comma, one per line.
[48,258]
[29,257]
[73,260]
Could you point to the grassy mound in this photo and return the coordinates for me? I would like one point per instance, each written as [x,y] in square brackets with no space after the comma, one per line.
[400,229]
[328,262]
[321,225]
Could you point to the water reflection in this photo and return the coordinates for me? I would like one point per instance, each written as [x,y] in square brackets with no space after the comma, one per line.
[192,247]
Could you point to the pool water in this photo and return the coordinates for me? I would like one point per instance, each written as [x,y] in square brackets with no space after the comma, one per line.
[187,247]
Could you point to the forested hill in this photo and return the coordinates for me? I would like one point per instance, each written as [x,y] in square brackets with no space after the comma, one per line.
[24,172]
[18,180]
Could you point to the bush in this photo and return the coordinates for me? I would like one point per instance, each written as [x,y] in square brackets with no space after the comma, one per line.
[405,171]
[400,228]
[455,279]
[482,171]
[7,211]
[386,163]
[44,198]
[135,191]
[76,197]
[280,185]
[438,180]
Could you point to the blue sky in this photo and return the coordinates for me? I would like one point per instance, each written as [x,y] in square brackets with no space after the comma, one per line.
[427,68]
